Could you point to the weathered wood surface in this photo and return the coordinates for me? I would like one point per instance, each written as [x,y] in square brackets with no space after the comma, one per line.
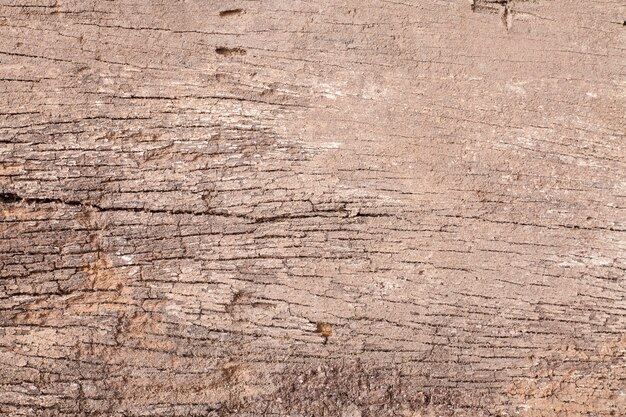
[312,208]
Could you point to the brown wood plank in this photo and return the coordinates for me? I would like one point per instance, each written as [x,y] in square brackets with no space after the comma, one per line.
[312,208]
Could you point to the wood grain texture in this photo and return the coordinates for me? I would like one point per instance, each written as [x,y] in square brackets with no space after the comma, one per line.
[312,208]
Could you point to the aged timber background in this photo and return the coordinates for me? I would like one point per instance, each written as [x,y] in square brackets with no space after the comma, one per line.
[313,208]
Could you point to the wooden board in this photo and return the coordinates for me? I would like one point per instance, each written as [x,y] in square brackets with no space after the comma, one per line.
[312,208]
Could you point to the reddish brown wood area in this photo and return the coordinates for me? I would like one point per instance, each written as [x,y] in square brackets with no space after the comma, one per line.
[354,208]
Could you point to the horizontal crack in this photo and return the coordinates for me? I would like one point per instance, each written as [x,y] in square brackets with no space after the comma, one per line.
[12,198]
[15,198]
